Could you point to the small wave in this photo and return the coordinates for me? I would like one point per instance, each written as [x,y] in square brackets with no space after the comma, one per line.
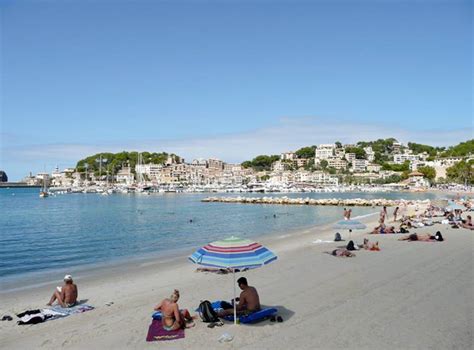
[365,215]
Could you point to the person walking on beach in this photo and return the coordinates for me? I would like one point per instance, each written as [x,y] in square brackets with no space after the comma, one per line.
[349,213]
[345,214]
[65,295]
[383,214]
[395,212]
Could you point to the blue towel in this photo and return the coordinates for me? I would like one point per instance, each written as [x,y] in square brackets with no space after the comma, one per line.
[254,316]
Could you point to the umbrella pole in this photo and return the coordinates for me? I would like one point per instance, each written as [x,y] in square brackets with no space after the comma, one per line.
[235,301]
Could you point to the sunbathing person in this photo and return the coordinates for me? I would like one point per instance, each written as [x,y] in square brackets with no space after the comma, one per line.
[381,229]
[370,246]
[341,252]
[468,223]
[249,300]
[352,246]
[378,229]
[403,229]
[65,295]
[423,237]
[172,318]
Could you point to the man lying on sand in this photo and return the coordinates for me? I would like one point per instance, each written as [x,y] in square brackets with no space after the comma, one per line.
[342,253]
[420,237]
[65,295]
[171,317]
[381,229]
[249,300]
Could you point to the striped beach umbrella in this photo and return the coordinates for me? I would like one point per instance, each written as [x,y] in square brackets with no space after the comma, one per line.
[233,253]
[349,225]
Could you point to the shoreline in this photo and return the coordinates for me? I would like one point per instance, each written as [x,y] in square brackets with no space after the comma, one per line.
[95,273]
[39,279]
[314,292]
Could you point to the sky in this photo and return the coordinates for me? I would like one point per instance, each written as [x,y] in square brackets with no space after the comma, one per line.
[228,79]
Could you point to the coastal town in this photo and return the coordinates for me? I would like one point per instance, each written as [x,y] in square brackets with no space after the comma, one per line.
[382,164]
[236,175]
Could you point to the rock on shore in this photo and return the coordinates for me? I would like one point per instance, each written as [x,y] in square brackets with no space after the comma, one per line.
[311,201]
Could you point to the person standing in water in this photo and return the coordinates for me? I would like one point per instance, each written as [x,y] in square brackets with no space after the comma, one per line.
[395,212]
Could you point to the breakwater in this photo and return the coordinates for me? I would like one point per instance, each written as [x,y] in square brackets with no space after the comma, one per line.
[349,202]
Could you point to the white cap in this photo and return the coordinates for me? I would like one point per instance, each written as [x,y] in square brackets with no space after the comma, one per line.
[68,278]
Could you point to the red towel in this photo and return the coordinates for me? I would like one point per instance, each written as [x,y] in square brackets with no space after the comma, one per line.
[157,332]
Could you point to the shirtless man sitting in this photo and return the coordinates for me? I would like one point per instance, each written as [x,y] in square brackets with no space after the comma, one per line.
[249,300]
[65,295]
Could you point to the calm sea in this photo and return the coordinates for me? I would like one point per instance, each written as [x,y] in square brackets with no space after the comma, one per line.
[56,233]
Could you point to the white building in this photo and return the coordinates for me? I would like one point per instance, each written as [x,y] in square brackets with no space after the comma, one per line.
[339,152]
[337,163]
[324,151]
[201,162]
[350,157]
[288,155]
[409,156]
[279,166]
[233,168]
[359,165]
[323,178]
[370,154]
[300,162]
[215,164]
[396,147]
[303,176]
[125,175]
[417,179]
[374,168]
[152,171]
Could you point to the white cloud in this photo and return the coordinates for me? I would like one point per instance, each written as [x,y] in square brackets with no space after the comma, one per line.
[287,134]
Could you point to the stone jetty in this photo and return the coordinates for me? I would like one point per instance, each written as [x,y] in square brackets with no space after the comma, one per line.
[348,202]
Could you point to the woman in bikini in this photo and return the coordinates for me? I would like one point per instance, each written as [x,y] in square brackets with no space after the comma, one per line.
[172,318]
[423,237]
[370,246]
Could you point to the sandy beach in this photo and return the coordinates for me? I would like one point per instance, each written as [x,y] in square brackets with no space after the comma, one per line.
[410,295]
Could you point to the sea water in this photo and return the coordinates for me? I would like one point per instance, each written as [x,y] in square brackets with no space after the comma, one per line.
[38,235]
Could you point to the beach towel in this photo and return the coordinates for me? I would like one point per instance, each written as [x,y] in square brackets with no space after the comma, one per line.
[254,316]
[319,241]
[42,315]
[66,311]
[156,332]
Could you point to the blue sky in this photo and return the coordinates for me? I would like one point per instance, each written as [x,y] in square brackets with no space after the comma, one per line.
[229,79]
